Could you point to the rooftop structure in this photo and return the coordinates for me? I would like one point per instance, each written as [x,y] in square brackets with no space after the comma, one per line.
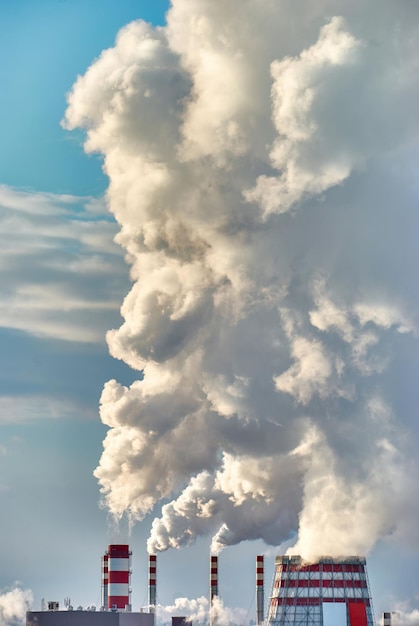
[88,618]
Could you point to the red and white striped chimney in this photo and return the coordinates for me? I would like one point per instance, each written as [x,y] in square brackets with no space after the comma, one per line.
[152,582]
[105,580]
[213,589]
[260,600]
[118,576]
[213,577]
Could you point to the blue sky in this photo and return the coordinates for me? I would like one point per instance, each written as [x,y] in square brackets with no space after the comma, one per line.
[334,346]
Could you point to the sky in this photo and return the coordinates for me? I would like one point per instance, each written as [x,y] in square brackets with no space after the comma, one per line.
[209,303]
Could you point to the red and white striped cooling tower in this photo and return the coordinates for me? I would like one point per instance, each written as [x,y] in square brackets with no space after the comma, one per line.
[118,576]
[330,592]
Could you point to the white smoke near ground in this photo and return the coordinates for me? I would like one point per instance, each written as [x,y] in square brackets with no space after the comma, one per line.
[404,617]
[262,169]
[198,611]
[13,606]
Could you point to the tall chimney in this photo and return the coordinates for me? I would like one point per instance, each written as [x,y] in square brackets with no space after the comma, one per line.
[152,577]
[213,577]
[260,600]
[213,588]
[105,580]
[119,577]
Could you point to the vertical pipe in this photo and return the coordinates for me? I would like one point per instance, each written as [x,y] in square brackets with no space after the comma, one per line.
[213,577]
[118,576]
[105,580]
[152,582]
[213,588]
[260,600]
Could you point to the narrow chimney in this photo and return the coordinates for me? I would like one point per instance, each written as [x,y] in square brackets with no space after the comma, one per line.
[260,600]
[213,588]
[105,580]
[152,578]
[213,577]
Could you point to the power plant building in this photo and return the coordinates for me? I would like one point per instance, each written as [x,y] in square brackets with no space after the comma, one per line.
[330,592]
[88,618]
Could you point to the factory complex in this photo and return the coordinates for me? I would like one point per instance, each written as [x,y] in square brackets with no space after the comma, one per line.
[329,592]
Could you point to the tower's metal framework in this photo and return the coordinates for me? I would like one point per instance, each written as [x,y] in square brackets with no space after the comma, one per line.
[305,594]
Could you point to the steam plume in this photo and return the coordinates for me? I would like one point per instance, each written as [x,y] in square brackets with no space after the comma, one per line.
[260,169]
[13,606]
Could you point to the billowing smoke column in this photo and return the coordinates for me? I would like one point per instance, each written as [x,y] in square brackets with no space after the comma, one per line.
[262,169]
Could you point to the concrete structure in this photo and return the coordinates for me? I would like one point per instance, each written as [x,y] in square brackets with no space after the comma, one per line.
[260,585]
[88,618]
[330,592]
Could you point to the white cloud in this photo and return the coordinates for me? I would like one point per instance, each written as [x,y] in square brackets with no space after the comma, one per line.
[61,272]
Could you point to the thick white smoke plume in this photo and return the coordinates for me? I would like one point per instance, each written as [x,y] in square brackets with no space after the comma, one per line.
[262,168]
[13,606]
[197,611]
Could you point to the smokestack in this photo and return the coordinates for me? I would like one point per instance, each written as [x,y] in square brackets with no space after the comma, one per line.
[105,580]
[329,592]
[213,587]
[118,577]
[152,577]
[260,582]
[213,577]
[386,619]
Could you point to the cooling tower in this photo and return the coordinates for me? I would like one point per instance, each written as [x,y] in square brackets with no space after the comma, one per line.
[118,576]
[330,592]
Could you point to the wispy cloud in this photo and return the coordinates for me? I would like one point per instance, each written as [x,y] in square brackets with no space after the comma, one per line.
[62,274]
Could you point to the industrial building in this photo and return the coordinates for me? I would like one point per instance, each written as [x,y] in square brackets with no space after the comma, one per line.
[329,592]
[116,598]
[88,618]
